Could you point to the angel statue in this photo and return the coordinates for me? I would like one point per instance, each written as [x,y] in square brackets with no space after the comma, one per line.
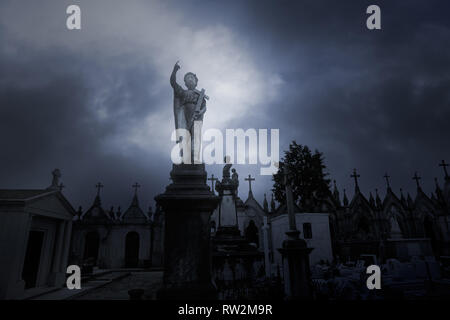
[189,106]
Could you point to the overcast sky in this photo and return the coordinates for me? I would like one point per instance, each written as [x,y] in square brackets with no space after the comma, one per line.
[96,103]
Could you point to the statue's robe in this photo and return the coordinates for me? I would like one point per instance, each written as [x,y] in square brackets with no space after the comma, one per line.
[184,102]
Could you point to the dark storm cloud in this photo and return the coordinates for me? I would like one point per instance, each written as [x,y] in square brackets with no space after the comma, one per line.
[48,119]
[374,100]
[377,101]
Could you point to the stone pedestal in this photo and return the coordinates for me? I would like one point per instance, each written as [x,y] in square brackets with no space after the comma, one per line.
[297,275]
[235,262]
[227,189]
[187,204]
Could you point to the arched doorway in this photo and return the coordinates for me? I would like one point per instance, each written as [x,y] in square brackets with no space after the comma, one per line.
[132,250]
[92,243]
[362,231]
[364,225]
[251,233]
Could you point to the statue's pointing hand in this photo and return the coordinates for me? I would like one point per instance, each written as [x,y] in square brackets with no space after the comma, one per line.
[176,67]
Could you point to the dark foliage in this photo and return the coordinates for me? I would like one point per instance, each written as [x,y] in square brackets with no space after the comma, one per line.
[307,169]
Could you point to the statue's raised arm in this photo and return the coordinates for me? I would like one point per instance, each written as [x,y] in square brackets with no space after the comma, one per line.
[178,112]
[173,80]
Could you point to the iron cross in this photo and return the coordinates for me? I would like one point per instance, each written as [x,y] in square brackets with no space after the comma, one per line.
[135,186]
[417,178]
[355,176]
[249,179]
[99,186]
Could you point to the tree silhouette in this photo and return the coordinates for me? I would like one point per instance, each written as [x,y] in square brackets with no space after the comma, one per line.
[309,182]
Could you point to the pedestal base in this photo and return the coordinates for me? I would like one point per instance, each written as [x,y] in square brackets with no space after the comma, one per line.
[297,276]
[228,239]
[187,204]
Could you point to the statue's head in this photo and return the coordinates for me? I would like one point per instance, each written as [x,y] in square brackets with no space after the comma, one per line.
[233,170]
[190,80]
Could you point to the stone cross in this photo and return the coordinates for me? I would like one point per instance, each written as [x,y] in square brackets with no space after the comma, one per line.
[213,180]
[387,179]
[99,186]
[61,186]
[249,179]
[444,166]
[355,176]
[135,186]
[290,204]
[417,178]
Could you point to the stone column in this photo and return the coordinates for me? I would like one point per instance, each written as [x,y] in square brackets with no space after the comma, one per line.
[297,276]
[67,238]
[56,276]
[59,246]
[187,204]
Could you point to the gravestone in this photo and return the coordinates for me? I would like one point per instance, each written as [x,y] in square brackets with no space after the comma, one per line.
[232,251]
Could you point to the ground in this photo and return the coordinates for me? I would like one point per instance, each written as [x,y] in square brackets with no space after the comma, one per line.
[118,289]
